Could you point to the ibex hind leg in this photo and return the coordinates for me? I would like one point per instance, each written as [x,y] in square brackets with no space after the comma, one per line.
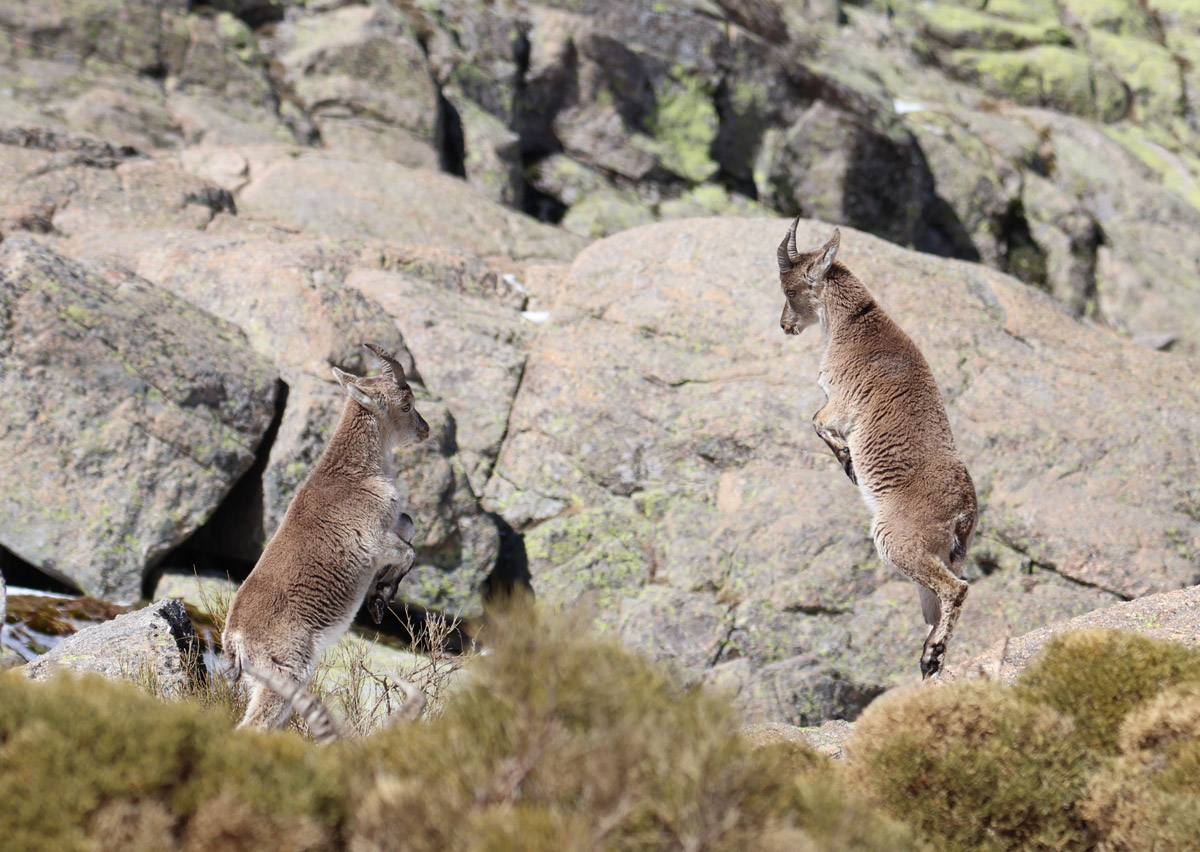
[267,708]
[931,608]
[942,595]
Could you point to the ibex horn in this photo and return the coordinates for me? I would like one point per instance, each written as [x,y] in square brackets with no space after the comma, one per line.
[391,367]
[787,248]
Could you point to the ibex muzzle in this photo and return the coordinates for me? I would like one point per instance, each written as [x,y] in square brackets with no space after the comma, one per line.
[342,537]
[885,423]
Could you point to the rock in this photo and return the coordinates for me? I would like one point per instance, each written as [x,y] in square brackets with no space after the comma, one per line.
[214,65]
[362,62]
[684,629]
[491,152]
[1173,616]
[288,295]
[125,109]
[130,413]
[1121,182]
[64,184]
[155,647]
[132,36]
[470,351]
[827,739]
[660,437]
[837,166]
[338,198]
[307,304]
[201,591]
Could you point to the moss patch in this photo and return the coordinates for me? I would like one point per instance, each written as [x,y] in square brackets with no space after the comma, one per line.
[1047,75]
[684,124]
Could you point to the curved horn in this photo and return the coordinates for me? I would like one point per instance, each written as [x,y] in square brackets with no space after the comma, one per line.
[781,255]
[786,254]
[391,367]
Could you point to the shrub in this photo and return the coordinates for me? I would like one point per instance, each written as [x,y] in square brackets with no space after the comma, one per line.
[577,742]
[1097,677]
[971,766]
[559,741]
[1149,798]
[80,752]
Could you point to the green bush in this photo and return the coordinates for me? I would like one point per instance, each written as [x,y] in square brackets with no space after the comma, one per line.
[86,756]
[572,739]
[1149,798]
[558,742]
[1097,677]
[971,766]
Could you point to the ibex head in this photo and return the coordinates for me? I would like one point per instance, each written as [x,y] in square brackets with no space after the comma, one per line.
[802,278]
[388,397]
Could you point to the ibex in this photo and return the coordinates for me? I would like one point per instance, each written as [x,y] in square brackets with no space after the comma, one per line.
[885,423]
[342,536]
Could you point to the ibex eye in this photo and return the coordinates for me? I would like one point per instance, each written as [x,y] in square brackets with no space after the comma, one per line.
[406,407]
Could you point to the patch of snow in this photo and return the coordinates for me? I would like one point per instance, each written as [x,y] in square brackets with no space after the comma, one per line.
[904,107]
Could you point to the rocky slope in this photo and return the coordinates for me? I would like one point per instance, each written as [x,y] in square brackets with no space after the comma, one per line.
[1053,139]
[206,208]
[660,462]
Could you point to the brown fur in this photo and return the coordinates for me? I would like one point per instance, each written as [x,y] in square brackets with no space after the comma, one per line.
[885,423]
[341,537]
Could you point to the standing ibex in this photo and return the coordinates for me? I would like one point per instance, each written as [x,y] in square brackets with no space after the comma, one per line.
[884,420]
[342,536]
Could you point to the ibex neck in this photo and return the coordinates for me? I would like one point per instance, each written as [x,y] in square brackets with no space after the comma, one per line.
[845,302]
[357,447]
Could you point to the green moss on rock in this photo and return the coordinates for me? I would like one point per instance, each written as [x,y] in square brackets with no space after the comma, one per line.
[956,26]
[1047,75]
[684,124]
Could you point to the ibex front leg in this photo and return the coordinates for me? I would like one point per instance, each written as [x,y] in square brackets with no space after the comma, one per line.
[400,561]
[834,440]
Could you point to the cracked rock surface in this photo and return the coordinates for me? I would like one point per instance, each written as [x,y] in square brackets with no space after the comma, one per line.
[660,461]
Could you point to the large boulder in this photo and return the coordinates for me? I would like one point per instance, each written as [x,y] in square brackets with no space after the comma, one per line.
[129,414]
[342,198]
[156,647]
[660,463]
[63,184]
[307,303]
[360,73]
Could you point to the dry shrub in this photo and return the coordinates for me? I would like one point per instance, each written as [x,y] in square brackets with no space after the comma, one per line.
[572,743]
[80,753]
[557,742]
[1097,677]
[971,766]
[365,693]
[1149,798]
[124,825]
[227,823]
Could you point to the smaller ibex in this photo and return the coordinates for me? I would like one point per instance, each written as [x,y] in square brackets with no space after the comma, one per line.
[885,422]
[342,536]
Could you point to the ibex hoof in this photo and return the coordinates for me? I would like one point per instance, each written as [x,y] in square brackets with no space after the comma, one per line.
[932,660]
[376,608]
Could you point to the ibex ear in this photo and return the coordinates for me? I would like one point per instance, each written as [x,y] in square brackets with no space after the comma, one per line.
[825,256]
[348,382]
